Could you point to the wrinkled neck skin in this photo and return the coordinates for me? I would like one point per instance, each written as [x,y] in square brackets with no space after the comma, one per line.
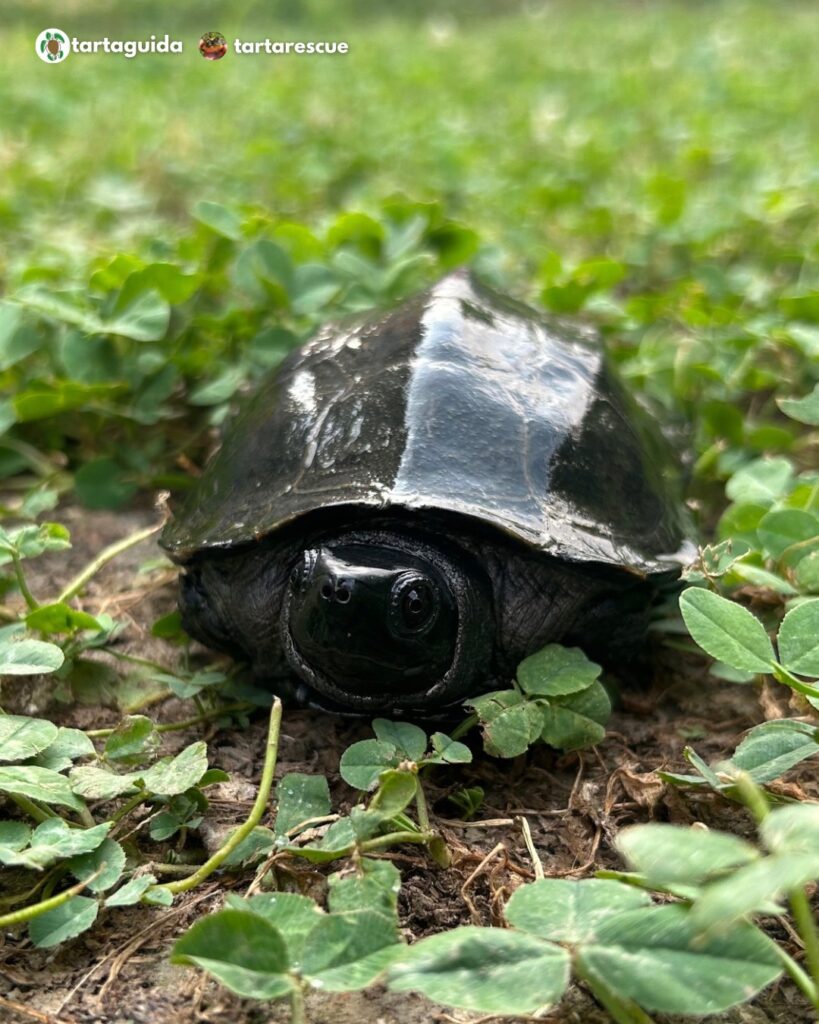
[387,621]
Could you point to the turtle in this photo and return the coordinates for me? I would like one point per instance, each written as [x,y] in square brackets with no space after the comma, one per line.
[415,501]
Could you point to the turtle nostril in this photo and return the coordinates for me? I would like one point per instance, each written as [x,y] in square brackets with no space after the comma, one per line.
[327,590]
[295,576]
[343,593]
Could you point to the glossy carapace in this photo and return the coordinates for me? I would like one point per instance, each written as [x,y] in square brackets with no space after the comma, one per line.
[461,449]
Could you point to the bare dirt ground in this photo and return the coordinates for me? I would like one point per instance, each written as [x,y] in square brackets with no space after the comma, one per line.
[575,804]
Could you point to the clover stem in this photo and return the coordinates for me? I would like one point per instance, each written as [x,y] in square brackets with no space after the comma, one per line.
[35,909]
[754,799]
[227,709]
[28,597]
[393,839]
[38,462]
[86,817]
[421,807]
[253,819]
[133,659]
[297,1005]
[147,701]
[185,723]
[752,796]
[180,870]
[468,723]
[806,926]
[21,897]
[53,881]
[30,808]
[622,1011]
[105,556]
[404,823]
[782,675]
[130,804]
[800,978]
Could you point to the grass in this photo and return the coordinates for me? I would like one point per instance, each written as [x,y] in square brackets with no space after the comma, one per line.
[652,166]
[580,129]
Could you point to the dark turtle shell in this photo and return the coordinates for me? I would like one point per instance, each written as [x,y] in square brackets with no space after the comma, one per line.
[458,400]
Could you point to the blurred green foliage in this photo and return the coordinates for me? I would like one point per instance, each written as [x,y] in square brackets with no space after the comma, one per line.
[173,226]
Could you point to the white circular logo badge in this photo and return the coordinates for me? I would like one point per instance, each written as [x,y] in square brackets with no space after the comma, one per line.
[52,45]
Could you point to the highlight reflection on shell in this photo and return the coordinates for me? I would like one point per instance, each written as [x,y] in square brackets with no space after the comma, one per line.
[461,401]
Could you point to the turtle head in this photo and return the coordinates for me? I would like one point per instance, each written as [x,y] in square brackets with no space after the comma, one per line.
[385,624]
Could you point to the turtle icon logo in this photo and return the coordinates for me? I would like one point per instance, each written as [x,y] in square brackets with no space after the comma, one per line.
[213,46]
[52,45]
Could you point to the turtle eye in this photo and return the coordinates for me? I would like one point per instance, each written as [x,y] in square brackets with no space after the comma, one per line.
[413,604]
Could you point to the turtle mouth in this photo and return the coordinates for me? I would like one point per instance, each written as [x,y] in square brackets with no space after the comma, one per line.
[345,688]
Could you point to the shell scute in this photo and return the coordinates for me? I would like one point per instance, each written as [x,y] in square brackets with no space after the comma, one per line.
[462,401]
